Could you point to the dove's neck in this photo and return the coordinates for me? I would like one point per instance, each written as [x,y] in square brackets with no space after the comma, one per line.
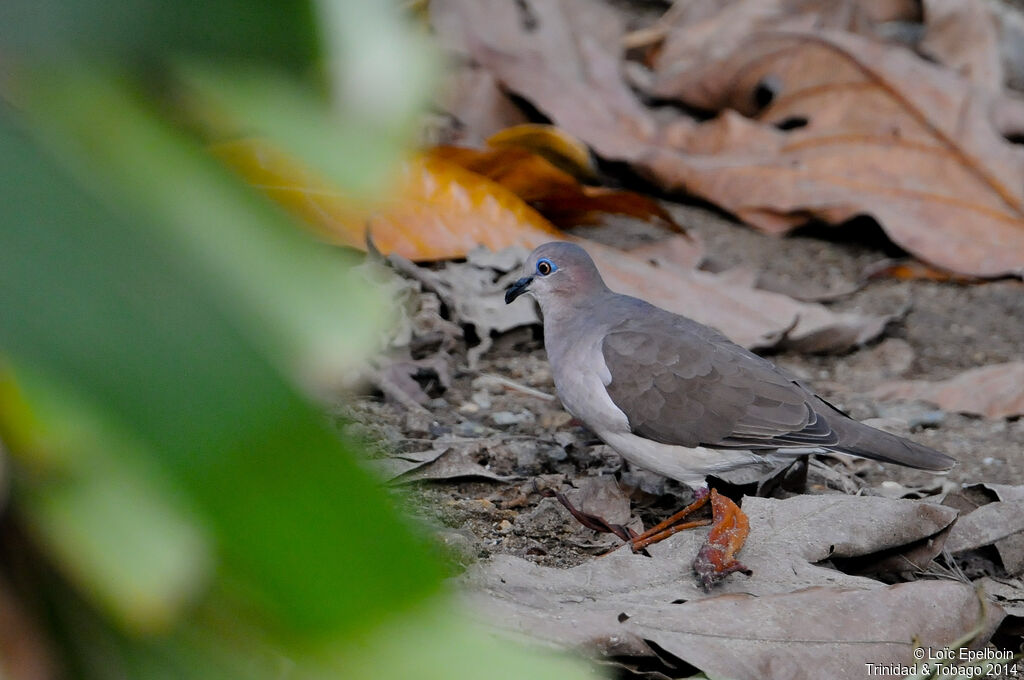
[568,322]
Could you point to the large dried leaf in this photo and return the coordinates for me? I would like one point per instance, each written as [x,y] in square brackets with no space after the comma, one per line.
[854,128]
[778,623]
[844,126]
[443,211]
[995,391]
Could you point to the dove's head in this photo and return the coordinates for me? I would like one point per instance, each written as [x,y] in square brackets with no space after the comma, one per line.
[557,272]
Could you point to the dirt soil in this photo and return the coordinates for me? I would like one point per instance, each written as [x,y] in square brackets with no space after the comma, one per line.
[945,328]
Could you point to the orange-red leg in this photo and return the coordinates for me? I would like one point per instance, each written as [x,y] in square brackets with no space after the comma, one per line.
[666,528]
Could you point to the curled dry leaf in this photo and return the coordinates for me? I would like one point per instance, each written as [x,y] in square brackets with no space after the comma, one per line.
[729,530]
[563,150]
[455,459]
[553,192]
[995,391]
[999,523]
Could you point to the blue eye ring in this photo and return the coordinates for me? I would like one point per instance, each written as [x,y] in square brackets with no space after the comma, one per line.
[545,266]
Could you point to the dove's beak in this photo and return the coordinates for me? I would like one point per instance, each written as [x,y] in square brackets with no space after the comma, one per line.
[517,289]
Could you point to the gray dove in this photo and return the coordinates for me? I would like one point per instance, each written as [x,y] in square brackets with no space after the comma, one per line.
[674,396]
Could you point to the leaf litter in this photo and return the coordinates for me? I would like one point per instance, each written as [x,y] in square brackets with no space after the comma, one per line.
[773,624]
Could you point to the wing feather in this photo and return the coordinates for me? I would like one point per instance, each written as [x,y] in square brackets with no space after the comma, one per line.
[688,385]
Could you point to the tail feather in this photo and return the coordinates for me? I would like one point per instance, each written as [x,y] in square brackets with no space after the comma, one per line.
[868,442]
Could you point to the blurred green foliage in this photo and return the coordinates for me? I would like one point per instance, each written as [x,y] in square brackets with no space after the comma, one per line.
[177,506]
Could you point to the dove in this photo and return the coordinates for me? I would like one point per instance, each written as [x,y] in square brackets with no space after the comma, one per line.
[674,396]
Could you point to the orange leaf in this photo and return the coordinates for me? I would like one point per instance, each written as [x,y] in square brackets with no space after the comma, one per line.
[563,150]
[729,530]
[440,209]
[553,192]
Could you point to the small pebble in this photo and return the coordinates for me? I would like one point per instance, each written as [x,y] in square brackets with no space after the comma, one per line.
[565,438]
[502,418]
[469,428]
[418,422]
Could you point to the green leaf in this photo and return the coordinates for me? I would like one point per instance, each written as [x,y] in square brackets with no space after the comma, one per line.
[296,296]
[97,504]
[281,30]
[130,318]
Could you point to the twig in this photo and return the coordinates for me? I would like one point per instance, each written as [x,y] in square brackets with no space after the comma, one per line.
[513,385]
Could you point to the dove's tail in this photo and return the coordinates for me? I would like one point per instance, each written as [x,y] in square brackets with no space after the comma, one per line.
[867,442]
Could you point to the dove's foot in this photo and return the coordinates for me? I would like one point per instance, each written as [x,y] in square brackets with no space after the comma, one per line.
[729,529]
[674,524]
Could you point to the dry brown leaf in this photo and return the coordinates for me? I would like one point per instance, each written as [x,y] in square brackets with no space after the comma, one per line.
[815,633]
[995,391]
[774,624]
[560,54]
[441,210]
[962,35]
[447,460]
[999,522]
[710,30]
[748,316]
[854,128]
[987,525]
[472,96]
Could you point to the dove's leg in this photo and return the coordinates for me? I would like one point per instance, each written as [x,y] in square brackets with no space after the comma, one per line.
[664,529]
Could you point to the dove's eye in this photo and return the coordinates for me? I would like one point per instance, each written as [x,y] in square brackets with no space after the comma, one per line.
[545,266]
